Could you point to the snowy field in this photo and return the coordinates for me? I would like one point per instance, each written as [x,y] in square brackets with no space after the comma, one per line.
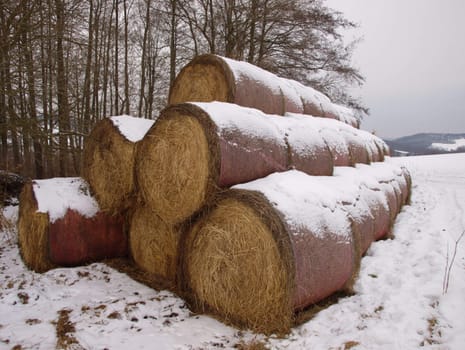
[410,293]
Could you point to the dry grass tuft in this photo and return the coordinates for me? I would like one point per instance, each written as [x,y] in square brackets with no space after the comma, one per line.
[65,330]
[235,267]
[252,345]
[153,243]
[108,167]
[33,232]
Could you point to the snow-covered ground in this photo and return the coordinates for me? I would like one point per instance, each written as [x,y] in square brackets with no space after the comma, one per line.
[410,292]
[449,147]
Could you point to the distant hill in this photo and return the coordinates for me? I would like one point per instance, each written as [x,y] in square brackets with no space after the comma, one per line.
[420,144]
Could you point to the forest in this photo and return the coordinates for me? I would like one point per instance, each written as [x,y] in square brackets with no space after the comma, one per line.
[66,64]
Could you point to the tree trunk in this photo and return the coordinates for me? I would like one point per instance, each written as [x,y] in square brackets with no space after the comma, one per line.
[126,68]
[144,59]
[173,41]
[35,130]
[87,79]
[62,91]
[116,72]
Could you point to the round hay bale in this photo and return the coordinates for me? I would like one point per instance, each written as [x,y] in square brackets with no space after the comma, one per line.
[307,150]
[153,244]
[249,262]
[335,141]
[195,149]
[357,149]
[380,211]
[213,78]
[407,191]
[60,225]
[108,160]
[380,144]
[363,224]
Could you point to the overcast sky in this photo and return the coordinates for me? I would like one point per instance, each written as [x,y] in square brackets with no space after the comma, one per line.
[413,58]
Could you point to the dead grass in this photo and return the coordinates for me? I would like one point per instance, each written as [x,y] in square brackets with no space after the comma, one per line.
[252,345]
[65,330]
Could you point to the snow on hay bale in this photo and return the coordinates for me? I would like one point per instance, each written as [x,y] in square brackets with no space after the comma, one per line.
[268,249]
[347,144]
[213,78]
[108,160]
[196,148]
[60,224]
[153,244]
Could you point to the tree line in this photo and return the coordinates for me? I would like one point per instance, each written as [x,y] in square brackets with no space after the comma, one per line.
[66,64]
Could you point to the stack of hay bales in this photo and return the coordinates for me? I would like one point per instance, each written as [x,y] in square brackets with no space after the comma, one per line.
[242,255]
[267,249]
[73,221]
[252,207]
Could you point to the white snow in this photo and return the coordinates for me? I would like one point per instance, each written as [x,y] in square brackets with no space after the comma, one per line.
[298,93]
[248,121]
[399,302]
[304,133]
[449,147]
[322,203]
[132,128]
[55,196]
[241,70]
[304,200]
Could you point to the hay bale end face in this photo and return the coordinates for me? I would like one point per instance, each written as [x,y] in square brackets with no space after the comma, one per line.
[61,225]
[154,244]
[108,160]
[243,278]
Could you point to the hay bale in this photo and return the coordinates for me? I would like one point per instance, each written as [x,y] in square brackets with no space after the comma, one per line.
[406,187]
[335,141]
[349,145]
[266,250]
[108,160]
[153,244]
[195,149]
[307,150]
[60,224]
[213,78]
